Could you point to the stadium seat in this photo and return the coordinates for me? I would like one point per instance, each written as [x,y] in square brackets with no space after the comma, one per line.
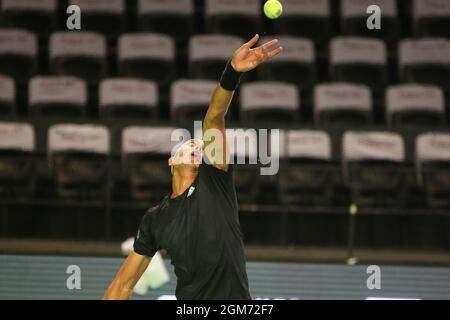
[359,60]
[234,17]
[57,97]
[342,104]
[145,152]
[373,167]
[17,145]
[172,17]
[147,55]
[18,54]
[127,98]
[308,175]
[306,19]
[104,16]
[243,153]
[208,54]
[431,18]
[415,105]
[81,54]
[189,99]
[78,155]
[433,167]
[269,101]
[354,19]
[296,65]
[425,61]
[7,96]
[39,16]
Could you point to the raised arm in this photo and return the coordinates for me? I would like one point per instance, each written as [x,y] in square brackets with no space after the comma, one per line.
[244,59]
[122,286]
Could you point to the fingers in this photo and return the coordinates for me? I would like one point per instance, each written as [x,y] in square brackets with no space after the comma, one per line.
[269,44]
[252,41]
[274,53]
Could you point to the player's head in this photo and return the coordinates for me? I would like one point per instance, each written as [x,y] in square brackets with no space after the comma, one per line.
[189,155]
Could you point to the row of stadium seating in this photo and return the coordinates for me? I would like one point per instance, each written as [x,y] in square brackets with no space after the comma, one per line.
[239,17]
[373,164]
[65,97]
[152,56]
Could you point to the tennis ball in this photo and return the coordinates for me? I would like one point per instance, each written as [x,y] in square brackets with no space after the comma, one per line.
[273,9]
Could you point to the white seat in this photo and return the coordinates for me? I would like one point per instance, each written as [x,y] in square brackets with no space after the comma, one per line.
[234,7]
[431,18]
[18,53]
[64,92]
[7,94]
[78,137]
[179,7]
[409,98]
[17,137]
[346,97]
[358,8]
[128,93]
[432,147]
[187,94]
[154,140]
[306,144]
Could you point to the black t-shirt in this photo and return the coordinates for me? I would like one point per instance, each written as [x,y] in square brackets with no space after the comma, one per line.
[200,231]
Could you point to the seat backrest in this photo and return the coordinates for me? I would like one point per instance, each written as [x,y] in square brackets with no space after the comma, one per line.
[357,50]
[431,147]
[318,8]
[44,6]
[232,7]
[306,144]
[116,7]
[188,93]
[151,140]
[295,49]
[128,91]
[85,44]
[430,9]
[7,90]
[18,42]
[154,7]
[262,95]
[338,96]
[146,46]
[17,137]
[424,51]
[60,90]
[212,47]
[358,8]
[414,97]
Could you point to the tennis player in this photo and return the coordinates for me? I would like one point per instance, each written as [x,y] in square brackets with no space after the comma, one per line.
[198,223]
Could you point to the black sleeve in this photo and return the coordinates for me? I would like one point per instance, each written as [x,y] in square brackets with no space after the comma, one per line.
[144,242]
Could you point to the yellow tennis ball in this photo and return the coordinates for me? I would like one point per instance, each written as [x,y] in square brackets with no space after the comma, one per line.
[273,9]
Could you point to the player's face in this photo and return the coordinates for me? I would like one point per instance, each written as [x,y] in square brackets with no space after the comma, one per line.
[189,153]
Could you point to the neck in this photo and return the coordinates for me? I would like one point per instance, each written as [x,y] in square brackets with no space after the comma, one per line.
[181,180]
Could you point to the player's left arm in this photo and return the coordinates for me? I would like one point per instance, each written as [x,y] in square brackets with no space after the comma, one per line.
[244,59]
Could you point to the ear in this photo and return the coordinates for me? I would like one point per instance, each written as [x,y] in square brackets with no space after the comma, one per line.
[170,162]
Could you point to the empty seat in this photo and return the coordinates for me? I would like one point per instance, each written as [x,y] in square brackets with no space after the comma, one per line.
[425,61]
[415,105]
[18,54]
[354,19]
[243,154]
[17,145]
[147,55]
[373,168]
[39,16]
[172,17]
[7,95]
[270,102]
[296,65]
[208,54]
[433,166]
[308,176]
[103,16]
[189,99]
[81,54]
[342,104]
[234,17]
[78,156]
[305,18]
[359,60]
[145,152]
[60,97]
[128,99]
[432,18]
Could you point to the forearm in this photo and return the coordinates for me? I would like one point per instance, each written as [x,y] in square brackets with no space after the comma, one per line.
[218,108]
[118,291]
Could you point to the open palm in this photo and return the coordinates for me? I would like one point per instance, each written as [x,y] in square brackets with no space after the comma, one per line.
[247,58]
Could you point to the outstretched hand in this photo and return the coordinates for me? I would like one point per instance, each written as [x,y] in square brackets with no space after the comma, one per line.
[247,58]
